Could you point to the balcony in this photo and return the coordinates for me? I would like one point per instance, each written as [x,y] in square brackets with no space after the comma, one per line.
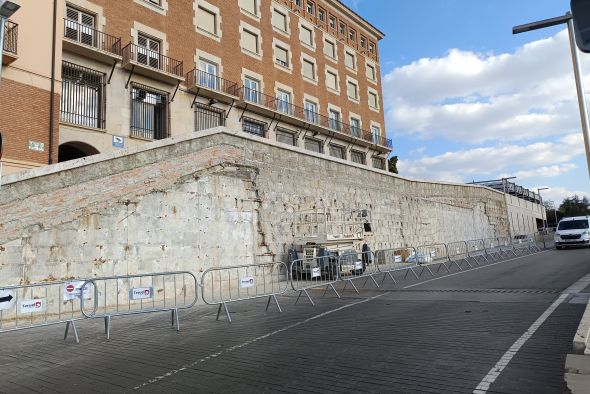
[91,43]
[152,64]
[269,106]
[211,86]
[10,44]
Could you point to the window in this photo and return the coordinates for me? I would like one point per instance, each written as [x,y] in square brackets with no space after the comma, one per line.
[156,2]
[357,157]
[306,36]
[279,20]
[329,49]
[334,119]
[80,26]
[332,22]
[313,145]
[337,151]
[331,80]
[352,35]
[363,42]
[321,14]
[373,101]
[254,126]
[371,74]
[207,74]
[251,90]
[207,20]
[371,48]
[148,51]
[249,41]
[352,90]
[311,112]
[349,60]
[207,117]
[286,137]
[308,69]
[282,56]
[342,29]
[284,102]
[310,7]
[297,2]
[249,6]
[149,113]
[378,163]
[376,134]
[82,98]
[355,127]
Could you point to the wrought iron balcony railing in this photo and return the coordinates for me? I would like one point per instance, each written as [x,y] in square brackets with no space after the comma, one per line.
[91,37]
[152,59]
[285,107]
[10,43]
[203,79]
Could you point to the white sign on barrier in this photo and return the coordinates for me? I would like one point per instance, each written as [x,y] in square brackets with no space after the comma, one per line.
[6,299]
[358,265]
[73,290]
[141,293]
[316,272]
[397,259]
[246,282]
[33,306]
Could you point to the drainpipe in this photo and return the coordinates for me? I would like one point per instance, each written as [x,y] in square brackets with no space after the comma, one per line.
[52,89]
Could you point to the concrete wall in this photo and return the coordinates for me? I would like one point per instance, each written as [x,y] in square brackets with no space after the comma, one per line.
[211,199]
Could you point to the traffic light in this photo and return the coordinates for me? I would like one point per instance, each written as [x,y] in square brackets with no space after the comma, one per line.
[581,15]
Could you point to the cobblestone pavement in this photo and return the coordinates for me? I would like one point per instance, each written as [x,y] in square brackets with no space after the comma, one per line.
[433,335]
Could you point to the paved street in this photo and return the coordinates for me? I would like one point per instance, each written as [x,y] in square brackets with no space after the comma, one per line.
[431,335]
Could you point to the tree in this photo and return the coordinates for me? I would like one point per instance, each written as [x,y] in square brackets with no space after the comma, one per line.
[575,206]
[392,164]
[553,216]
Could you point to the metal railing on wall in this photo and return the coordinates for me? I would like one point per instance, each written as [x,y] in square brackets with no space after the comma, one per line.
[91,37]
[10,43]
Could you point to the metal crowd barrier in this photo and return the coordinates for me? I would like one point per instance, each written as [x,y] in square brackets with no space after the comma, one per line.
[493,248]
[435,254]
[389,261]
[477,252]
[506,246]
[41,304]
[313,273]
[524,243]
[223,285]
[138,294]
[546,238]
[354,265]
[458,253]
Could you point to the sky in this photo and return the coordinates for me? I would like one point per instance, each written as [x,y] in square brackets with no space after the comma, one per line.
[466,100]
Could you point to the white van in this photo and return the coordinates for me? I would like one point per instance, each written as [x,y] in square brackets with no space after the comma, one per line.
[572,231]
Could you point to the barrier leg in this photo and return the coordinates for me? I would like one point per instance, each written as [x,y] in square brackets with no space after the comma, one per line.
[367,279]
[74,330]
[107,326]
[308,296]
[274,297]
[411,269]
[226,311]
[388,273]
[175,320]
[334,289]
[352,284]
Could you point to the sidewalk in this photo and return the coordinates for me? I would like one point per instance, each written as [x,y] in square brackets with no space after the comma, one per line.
[577,365]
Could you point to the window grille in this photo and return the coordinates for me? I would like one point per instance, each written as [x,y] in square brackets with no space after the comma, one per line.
[82,99]
[207,117]
[149,113]
[254,126]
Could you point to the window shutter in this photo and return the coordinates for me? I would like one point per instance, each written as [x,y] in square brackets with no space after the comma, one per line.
[206,20]
[370,72]
[249,5]
[349,60]
[279,20]
[331,80]
[329,49]
[250,41]
[308,69]
[282,56]
[352,90]
[306,36]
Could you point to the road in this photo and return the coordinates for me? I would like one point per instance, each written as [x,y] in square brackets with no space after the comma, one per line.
[500,328]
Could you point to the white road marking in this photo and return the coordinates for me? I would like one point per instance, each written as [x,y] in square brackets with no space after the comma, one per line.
[472,269]
[497,369]
[260,338]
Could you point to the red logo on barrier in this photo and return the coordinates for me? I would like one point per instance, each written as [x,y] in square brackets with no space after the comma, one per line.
[38,304]
[70,288]
[147,292]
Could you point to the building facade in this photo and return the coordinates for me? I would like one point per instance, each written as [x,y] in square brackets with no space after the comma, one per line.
[123,73]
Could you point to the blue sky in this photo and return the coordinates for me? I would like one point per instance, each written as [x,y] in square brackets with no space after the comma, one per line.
[465,99]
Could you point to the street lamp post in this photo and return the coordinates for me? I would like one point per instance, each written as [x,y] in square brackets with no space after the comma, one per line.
[567,18]
[545,208]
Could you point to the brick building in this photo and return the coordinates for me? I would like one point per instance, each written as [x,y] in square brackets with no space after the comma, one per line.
[124,72]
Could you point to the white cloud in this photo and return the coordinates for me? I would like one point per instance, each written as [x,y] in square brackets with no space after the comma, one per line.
[558,194]
[542,172]
[471,97]
[529,160]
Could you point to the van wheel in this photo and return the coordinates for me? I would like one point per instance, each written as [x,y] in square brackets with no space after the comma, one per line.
[558,247]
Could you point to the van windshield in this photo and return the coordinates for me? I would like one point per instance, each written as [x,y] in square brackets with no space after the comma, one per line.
[573,225]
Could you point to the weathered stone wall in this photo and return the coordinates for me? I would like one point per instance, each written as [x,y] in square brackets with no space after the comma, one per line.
[216,198]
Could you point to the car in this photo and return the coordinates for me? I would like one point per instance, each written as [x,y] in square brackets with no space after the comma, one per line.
[573,231]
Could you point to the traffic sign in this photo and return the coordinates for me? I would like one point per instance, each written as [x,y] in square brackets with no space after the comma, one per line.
[72,290]
[581,16]
[6,299]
